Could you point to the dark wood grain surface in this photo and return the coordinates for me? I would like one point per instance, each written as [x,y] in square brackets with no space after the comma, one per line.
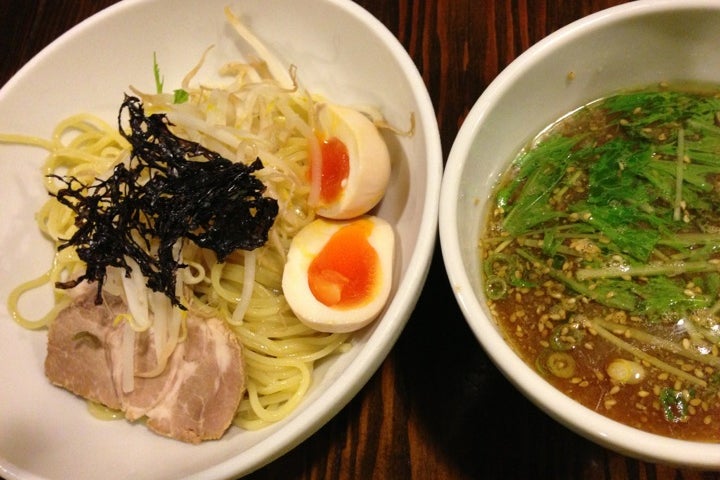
[437,408]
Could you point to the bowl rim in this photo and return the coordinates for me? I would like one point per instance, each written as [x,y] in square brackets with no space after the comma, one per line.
[588,423]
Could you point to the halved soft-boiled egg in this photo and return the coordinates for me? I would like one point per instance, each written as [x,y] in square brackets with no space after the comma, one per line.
[338,273]
[349,163]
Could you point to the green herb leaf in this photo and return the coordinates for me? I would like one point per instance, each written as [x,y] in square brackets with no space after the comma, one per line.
[541,169]
[674,405]
[159,81]
[180,96]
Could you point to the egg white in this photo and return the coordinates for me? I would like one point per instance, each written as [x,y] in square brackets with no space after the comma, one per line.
[369,161]
[305,247]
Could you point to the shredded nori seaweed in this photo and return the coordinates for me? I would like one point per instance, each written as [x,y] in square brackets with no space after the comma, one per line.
[170,189]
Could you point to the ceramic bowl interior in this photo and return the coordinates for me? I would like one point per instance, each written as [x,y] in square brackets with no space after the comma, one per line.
[633,45]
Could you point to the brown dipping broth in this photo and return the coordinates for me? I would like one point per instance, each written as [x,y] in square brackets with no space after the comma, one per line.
[570,287]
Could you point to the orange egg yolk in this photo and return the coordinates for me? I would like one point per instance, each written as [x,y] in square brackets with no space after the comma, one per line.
[343,273]
[335,168]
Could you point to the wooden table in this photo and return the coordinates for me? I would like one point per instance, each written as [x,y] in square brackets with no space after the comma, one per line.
[437,408]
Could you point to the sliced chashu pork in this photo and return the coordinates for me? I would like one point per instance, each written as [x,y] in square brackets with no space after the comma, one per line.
[193,399]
